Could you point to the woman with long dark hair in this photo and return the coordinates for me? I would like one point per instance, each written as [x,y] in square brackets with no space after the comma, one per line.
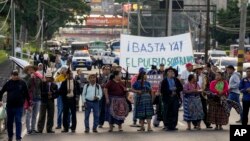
[115,94]
[193,111]
[216,112]
[144,106]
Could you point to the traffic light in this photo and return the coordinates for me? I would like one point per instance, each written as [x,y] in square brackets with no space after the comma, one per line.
[177,4]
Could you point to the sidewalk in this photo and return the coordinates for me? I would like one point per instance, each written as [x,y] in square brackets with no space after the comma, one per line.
[5,69]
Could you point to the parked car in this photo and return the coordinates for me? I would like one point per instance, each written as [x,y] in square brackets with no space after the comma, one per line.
[81,59]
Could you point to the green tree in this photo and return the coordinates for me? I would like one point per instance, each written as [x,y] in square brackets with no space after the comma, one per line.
[229,19]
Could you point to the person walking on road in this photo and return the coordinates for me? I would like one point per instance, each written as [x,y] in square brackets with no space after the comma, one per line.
[91,96]
[245,89]
[49,93]
[170,91]
[115,94]
[68,90]
[234,82]
[216,112]
[193,111]
[17,93]
[35,89]
[144,105]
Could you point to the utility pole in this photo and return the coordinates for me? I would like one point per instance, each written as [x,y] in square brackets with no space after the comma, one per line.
[167,16]
[13,28]
[170,9]
[243,19]
[207,46]
[139,18]
[200,32]
[42,30]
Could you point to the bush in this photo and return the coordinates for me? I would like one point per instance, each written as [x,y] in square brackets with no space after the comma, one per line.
[3,56]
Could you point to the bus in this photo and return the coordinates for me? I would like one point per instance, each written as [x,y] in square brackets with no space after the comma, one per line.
[79,46]
[52,45]
[234,52]
[98,45]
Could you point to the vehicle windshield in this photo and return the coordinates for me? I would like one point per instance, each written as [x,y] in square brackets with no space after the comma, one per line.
[228,62]
[81,54]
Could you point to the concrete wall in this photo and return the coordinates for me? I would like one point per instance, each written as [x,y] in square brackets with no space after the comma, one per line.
[221,4]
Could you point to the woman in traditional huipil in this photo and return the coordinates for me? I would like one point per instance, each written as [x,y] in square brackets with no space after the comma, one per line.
[216,112]
[115,94]
[144,110]
[193,111]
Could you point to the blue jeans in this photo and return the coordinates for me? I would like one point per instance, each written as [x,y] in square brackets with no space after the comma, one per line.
[14,114]
[31,116]
[59,111]
[95,107]
[235,97]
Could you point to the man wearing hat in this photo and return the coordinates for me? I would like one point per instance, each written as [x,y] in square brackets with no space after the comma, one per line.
[91,95]
[153,70]
[49,93]
[186,73]
[234,83]
[170,91]
[17,93]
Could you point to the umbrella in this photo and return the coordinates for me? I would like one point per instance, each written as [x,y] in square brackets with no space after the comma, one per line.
[19,62]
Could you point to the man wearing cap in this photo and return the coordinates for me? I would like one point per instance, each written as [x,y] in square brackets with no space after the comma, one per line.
[234,83]
[91,95]
[49,93]
[69,90]
[186,73]
[17,93]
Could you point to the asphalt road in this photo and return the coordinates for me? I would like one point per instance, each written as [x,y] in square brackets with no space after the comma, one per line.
[131,134]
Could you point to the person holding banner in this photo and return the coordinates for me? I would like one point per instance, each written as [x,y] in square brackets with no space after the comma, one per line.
[115,94]
[171,88]
[144,105]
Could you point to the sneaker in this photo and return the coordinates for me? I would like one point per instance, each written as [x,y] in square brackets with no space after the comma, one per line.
[58,127]
[100,126]
[10,139]
[73,131]
[29,132]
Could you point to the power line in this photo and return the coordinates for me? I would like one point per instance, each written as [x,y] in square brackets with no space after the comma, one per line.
[3,6]
[53,7]
[4,23]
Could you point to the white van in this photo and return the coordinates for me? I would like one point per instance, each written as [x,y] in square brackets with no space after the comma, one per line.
[215,55]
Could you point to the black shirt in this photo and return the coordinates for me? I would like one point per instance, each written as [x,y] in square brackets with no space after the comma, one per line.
[17,92]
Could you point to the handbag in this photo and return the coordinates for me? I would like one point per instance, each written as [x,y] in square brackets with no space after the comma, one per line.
[2,113]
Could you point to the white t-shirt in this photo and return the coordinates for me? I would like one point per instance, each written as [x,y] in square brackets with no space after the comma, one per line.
[46,56]
[184,75]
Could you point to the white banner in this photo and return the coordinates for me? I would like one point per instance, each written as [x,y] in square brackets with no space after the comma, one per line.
[175,51]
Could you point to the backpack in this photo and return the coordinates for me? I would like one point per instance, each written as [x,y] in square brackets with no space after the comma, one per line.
[97,87]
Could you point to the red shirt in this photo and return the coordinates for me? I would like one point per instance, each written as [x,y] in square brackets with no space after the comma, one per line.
[115,89]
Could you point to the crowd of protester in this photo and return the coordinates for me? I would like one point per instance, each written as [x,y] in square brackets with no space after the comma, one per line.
[205,93]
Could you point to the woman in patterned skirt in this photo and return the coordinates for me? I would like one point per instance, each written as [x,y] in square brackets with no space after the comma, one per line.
[193,110]
[216,113]
[144,105]
[115,94]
